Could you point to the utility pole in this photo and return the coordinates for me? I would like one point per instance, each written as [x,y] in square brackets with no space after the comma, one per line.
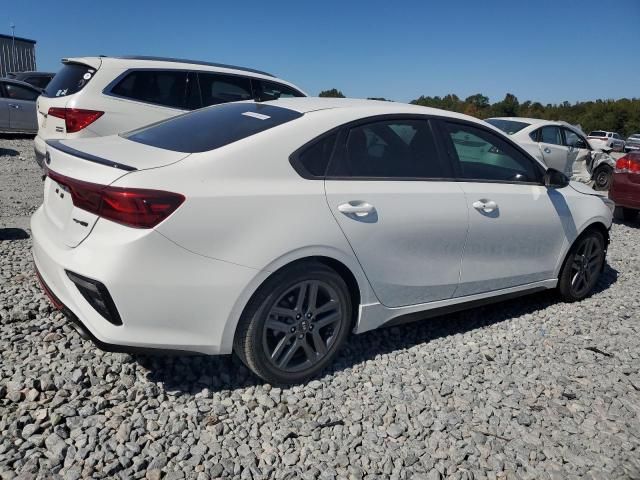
[13,47]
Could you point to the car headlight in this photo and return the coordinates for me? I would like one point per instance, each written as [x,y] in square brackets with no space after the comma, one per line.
[609,203]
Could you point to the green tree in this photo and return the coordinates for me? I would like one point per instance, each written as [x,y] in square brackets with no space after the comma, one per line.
[333,93]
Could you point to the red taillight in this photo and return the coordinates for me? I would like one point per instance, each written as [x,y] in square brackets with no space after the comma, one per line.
[75,119]
[628,164]
[134,207]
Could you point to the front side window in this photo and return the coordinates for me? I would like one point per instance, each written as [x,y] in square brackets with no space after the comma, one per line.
[266,90]
[551,134]
[572,139]
[483,155]
[389,149]
[175,89]
[18,92]
[216,88]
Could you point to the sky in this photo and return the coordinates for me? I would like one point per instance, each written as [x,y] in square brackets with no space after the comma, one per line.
[548,50]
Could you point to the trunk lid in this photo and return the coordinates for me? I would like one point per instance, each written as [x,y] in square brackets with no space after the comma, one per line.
[98,161]
[74,75]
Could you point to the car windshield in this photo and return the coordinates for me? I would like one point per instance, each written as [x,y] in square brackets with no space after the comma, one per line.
[508,126]
[212,127]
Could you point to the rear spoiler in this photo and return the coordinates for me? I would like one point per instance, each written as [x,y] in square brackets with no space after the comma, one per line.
[58,145]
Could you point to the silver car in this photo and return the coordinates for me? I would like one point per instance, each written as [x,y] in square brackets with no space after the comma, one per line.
[632,143]
[18,107]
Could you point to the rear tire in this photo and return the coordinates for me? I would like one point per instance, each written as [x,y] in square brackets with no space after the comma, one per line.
[295,323]
[582,267]
[626,214]
[602,178]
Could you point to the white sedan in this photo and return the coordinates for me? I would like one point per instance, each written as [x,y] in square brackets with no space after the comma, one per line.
[299,222]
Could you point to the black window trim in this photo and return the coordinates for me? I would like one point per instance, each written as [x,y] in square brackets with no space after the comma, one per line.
[444,136]
[108,90]
[446,162]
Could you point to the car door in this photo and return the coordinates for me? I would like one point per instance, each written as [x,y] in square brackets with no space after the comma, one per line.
[22,107]
[554,153]
[399,208]
[579,155]
[515,224]
[4,110]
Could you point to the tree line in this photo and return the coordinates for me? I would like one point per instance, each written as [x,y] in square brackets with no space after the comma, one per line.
[622,116]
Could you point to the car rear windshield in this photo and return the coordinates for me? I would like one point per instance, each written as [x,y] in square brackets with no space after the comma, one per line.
[71,78]
[212,127]
[508,126]
[598,133]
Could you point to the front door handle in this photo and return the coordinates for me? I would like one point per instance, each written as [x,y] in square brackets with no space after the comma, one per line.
[486,206]
[547,150]
[357,208]
[13,105]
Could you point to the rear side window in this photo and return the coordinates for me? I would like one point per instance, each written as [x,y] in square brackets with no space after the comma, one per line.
[39,82]
[217,88]
[551,135]
[213,127]
[312,161]
[71,78]
[168,88]
[389,149]
[18,92]
[266,90]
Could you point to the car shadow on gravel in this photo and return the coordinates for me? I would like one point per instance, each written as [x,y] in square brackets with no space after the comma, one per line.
[8,152]
[13,234]
[192,374]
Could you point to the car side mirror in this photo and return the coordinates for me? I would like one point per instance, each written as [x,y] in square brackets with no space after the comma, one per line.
[580,144]
[555,179]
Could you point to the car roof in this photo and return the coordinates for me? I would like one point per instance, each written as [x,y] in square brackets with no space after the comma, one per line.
[368,107]
[19,82]
[31,73]
[186,62]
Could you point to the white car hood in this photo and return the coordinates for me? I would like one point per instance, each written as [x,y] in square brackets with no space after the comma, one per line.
[582,188]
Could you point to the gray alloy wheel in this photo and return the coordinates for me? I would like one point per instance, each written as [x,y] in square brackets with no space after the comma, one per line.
[602,178]
[302,325]
[582,267]
[295,323]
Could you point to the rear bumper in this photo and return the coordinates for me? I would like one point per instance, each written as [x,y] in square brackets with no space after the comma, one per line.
[169,299]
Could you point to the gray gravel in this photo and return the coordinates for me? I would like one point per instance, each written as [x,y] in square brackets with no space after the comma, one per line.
[527,389]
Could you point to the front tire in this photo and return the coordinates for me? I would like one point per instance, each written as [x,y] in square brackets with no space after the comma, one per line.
[602,178]
[294,324]
[582,267]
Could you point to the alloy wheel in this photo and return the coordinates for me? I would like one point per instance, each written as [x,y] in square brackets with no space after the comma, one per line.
[302,325]
[585,266]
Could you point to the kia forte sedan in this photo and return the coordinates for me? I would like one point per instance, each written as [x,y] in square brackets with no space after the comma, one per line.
[300,221]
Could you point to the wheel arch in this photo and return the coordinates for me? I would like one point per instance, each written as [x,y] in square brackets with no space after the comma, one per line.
[350,271]
[598,226]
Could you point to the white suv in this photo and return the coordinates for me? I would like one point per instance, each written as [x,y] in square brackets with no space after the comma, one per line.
[97,96]
[606,140]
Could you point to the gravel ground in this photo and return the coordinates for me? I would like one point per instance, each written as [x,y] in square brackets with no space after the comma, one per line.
[531,388]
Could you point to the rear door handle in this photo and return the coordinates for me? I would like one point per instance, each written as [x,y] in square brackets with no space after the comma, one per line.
[357,208]
[13,105]
[487,206]
[547,150]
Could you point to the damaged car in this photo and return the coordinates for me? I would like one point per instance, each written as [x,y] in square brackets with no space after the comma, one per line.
[562,146]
